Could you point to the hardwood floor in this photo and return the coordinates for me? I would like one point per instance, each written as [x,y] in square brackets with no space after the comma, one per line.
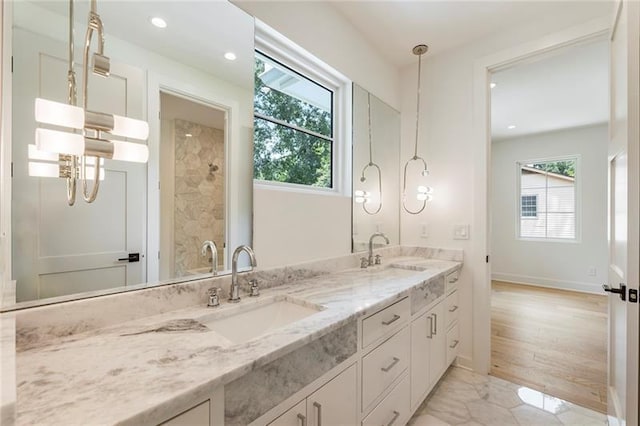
[554,341]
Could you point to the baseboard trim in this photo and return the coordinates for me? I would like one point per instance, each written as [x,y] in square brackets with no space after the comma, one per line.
[547,283]
[464,362]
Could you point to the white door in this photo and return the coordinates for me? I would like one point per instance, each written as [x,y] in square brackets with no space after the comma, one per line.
[421,337]
[334,403]
[58,249]
[623,216]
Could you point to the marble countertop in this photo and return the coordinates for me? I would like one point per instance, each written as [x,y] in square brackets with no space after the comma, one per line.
[135,372]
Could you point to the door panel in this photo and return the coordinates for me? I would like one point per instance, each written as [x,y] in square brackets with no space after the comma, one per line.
[59,249]
[624,222]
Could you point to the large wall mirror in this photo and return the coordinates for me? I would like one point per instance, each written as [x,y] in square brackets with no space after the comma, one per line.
[191,79]
[376,178]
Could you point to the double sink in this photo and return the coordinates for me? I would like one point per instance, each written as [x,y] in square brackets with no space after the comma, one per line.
[247,321]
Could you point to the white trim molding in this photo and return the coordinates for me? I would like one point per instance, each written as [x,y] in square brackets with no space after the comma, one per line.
[483,67]
[275,45]
[581,287]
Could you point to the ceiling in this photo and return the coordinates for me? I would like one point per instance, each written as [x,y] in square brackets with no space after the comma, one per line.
[564,89]
[198,33]
[393,27]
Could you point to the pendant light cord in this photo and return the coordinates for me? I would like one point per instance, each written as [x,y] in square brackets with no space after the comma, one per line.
[415,150]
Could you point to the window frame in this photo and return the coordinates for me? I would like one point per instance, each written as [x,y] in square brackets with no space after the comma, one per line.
[577,200]
[278,48]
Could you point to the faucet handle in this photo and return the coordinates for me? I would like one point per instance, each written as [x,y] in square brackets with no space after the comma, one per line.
[378,259]
[364,262]
[214,297]
[255,291]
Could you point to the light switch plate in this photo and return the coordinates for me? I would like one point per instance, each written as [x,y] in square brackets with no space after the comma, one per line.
[461,232]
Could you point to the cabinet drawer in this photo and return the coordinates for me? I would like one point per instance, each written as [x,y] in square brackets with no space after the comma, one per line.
[394,409]
[453,342]
[196,416]
[451,281]
[383,366]
[384,322]
[453,307]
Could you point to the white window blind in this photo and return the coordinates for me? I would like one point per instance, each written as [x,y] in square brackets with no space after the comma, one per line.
[547,200]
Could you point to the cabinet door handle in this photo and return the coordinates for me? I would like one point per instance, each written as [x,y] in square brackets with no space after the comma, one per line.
[390,366]
[435,324]
[454,344]
[396,414]
[395,318]
[319,407]
[430,318]
[453,280]
[453,308]
[303,419]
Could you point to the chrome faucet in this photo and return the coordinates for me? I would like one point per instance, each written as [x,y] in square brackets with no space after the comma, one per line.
[377,234]
[234,294]
[214,255]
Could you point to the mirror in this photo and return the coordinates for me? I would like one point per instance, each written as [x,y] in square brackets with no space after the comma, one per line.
[192,81]
[376,177]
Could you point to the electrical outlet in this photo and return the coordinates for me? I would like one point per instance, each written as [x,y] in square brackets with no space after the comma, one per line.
[592,271]
[424,231]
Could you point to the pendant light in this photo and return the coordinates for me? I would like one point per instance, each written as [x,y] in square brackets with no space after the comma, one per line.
[81,139]
[364,197]
[422,193]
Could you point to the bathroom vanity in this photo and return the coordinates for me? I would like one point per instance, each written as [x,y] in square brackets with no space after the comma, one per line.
[325,343]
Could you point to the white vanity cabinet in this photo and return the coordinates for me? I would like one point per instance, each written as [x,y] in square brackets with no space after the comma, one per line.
[198,415]
[428,351]
[332,404]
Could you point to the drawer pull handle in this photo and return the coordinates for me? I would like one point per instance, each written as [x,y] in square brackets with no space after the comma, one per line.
[453,308]
[319,407]
[453,280]
[435,324]
[430,318]
[395,318]
[390,366]
[454,344]
[303,419]
[396,414]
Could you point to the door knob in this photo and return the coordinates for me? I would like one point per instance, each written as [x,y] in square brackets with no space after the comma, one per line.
[622,291]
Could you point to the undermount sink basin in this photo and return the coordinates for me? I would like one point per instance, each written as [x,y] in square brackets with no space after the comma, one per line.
[248,321]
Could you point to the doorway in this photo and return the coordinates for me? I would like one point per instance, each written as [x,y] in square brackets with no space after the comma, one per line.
[549,135]
[193,185]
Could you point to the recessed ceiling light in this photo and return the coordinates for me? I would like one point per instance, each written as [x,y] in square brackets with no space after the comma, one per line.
[511,127]
[159,22]
[188,135]
[230,56]
[492,85]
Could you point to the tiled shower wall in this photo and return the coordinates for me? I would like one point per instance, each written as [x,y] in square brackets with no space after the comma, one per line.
[199,194]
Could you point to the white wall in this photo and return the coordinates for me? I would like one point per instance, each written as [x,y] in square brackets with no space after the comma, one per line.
[447,134]
[553,264]
[293,226]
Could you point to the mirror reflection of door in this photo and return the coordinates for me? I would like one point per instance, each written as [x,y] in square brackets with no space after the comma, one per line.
[59,250]
[192,185]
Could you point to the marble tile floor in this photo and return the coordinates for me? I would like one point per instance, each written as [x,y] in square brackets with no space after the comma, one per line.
[466,398]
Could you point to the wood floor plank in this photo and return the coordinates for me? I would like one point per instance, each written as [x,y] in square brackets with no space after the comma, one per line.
[554,341]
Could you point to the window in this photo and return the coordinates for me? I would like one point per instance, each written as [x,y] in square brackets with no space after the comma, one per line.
[293,126]
[529,205]
[547,197]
